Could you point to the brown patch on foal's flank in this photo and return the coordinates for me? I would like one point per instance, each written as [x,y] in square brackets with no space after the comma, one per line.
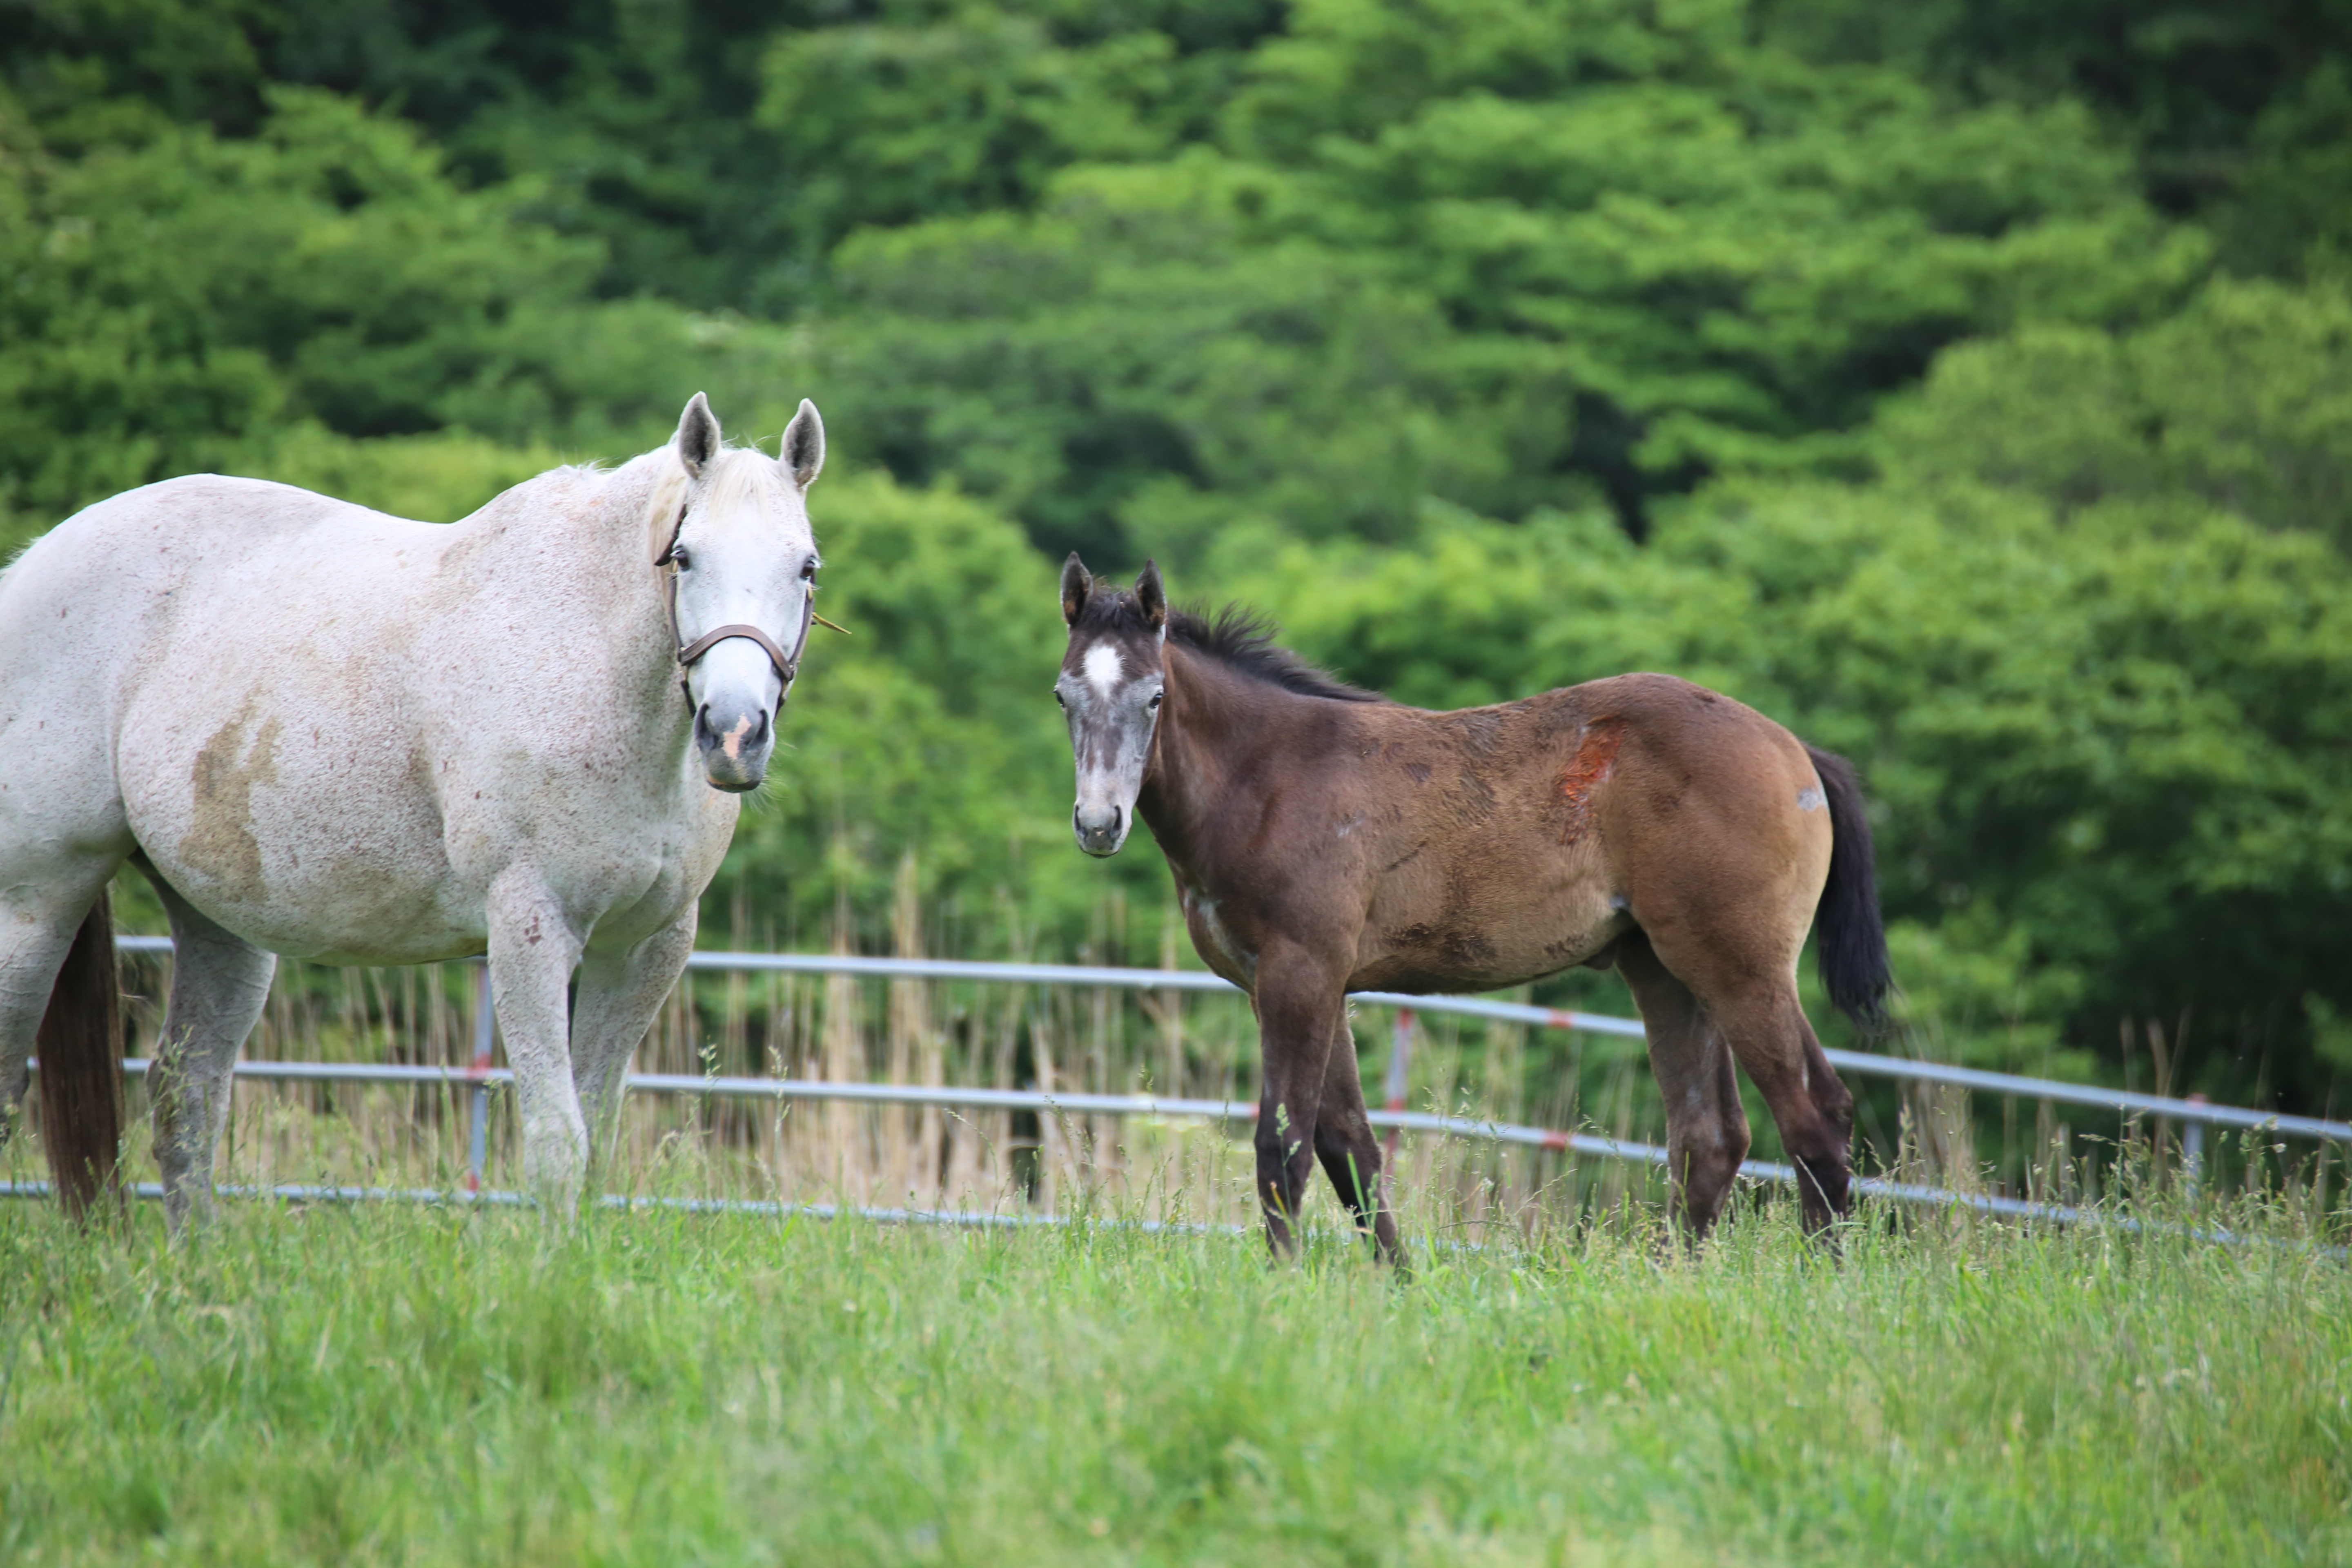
[1595,760]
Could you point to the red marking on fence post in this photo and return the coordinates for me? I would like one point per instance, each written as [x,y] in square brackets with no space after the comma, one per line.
[477,1130]
[1400,1076]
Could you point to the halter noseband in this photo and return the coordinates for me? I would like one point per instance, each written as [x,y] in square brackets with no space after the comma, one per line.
[787,665]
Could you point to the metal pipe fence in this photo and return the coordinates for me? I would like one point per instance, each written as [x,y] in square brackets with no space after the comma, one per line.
[480,1076]
[2124,1101]
[632,1202]
[2193,1111]
[1475,1128]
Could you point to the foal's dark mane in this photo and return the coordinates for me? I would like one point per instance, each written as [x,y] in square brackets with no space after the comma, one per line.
[1239,638]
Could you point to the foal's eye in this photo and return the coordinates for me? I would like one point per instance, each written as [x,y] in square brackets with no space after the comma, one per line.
[1058,703]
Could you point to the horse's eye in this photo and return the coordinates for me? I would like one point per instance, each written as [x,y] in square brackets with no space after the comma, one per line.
[678,557]
[1058,703]
[808,571]
[1155,701]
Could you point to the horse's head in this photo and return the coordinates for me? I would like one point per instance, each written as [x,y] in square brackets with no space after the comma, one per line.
[741,566]
[1110,688]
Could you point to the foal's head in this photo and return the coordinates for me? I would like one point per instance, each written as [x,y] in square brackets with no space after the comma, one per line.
[1110,688]
[742,579]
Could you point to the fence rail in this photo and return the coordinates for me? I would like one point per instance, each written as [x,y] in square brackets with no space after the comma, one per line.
[481,1077]
[722,1088]
[2123,1102]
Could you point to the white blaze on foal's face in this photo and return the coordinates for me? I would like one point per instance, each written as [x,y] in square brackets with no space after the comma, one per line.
[1103,667]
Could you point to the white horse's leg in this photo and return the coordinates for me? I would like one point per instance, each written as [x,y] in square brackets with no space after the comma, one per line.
[620,992]
[220,983]
[533,947]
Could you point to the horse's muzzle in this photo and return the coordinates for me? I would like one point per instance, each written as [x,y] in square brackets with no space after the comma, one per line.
[734,746]
[1101,832]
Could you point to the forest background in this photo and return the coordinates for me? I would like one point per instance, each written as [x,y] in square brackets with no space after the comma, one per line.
[1967,386]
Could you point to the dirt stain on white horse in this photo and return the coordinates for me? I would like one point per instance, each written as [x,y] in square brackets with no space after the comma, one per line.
[220,839]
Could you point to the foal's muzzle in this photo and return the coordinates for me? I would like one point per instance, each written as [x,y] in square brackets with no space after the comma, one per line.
[1102,830]
[734,742]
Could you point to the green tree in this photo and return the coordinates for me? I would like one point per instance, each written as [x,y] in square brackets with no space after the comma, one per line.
[1509,254]
[194,302]
[2242,402]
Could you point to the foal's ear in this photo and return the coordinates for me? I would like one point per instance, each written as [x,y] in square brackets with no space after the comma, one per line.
[1076,586]
[802,451]
[697,435]
[1151,598]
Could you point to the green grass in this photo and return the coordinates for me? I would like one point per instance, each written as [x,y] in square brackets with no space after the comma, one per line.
[404,1385]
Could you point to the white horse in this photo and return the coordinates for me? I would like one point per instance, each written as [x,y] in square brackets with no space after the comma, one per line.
[322,731]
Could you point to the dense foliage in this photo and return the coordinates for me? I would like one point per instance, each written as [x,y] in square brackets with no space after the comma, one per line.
[1964,385]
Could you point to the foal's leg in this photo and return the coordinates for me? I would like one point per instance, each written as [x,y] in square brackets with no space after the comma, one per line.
[620,993]
[1775,1042]
[1350,1153]
[1301,1004]
[1706,1128]
[533,947]
[220,983]
[1757,1014]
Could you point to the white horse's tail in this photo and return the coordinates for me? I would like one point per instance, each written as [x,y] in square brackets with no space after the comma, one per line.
[81,1052]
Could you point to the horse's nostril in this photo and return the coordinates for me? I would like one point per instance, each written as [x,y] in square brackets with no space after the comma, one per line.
[1116,812]
[761,734]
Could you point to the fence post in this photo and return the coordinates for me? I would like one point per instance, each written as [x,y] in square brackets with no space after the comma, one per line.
[478,1135]
[1400,1076]
[2193,1151]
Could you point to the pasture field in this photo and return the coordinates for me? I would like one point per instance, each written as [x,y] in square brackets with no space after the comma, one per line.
[426,1385]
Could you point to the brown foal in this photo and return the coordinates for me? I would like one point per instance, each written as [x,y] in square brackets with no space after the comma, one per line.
[1325,840]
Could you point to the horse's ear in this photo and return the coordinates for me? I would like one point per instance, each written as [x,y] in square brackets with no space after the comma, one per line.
[697,435]
[1076,586]
[802,451]
[1151,598]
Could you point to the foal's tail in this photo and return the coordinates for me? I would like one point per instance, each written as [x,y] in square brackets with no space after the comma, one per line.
[1847,930]
[80,1047]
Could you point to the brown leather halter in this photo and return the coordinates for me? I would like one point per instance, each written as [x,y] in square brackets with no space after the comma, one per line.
[787,665]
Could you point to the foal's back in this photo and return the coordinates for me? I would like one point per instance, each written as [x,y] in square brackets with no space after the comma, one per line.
[1498,845]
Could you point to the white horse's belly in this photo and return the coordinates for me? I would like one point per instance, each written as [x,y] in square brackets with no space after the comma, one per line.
[344,843]
[315,838]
